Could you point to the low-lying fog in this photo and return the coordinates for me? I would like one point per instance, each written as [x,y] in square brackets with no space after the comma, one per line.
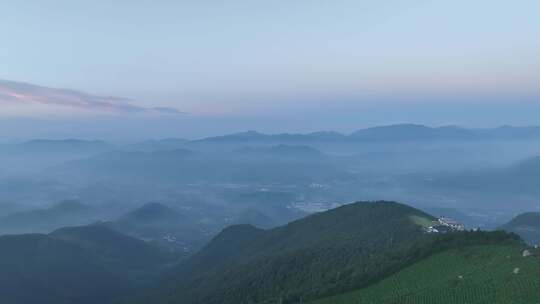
[260,179]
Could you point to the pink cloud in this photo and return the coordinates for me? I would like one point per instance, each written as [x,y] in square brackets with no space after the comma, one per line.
[12,92]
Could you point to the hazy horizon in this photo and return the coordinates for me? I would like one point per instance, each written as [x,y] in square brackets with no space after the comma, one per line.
[130,122]
[195,69]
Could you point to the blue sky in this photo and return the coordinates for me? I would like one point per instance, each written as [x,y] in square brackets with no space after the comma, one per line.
[236,65]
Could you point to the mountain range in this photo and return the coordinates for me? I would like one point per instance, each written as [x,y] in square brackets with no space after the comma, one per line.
[282,162]
[520,178]
[389,133]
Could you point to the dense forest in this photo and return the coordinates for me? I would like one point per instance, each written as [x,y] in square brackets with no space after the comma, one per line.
[345,251]
[325,254]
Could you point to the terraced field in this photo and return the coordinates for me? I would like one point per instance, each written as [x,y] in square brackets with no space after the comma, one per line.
[473,275]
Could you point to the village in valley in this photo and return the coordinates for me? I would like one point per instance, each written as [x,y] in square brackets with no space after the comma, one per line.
[444,224]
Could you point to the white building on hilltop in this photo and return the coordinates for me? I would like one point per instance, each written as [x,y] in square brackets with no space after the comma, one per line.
[448,222]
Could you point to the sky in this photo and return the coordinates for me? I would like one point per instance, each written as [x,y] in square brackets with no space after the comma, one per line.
[141,68]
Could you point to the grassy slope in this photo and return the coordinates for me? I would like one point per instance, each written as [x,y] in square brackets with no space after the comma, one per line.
[422,220]
[487,277]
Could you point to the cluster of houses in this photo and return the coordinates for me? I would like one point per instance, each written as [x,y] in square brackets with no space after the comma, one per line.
[445,224]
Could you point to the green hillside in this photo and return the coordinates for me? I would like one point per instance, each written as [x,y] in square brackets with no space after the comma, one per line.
[323,254]
[372,252]
[115,250]
[91,264]
[475,275]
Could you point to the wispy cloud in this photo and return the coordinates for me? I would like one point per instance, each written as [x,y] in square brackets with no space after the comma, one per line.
[12,92]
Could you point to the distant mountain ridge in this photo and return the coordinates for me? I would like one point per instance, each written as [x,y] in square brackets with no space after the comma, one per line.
[282,162]
[287,137]
[65,213]
[397,132]
[152,212]
[526,225]
[156,145]
[161,225]
[520,178]
[39,154]
[412,132]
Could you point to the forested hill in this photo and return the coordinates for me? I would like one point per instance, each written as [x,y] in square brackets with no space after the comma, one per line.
[323,254]
[89,264]
[527,225]
[343,250]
